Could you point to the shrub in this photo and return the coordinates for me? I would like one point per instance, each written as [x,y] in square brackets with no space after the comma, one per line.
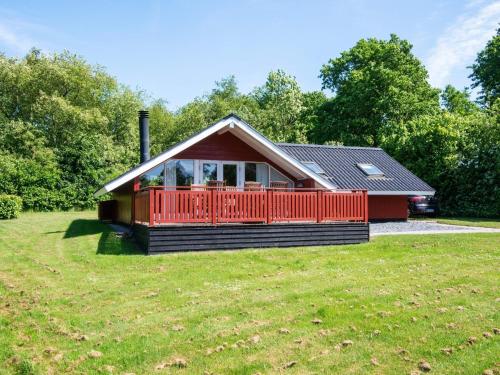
[10,206]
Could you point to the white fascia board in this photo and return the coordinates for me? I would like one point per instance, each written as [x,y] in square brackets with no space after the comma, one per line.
[144,167]
[372,192]
[263,140]
[230,122]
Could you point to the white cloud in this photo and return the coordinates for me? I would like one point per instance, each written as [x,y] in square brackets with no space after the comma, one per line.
[13,39]
[18,35]
[459,44]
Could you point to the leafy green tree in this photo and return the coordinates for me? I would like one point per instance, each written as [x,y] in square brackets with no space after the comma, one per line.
[225,98]
[486,71]
[312,113]
[456,101]
[281,102]
[28,168]
[377,84]
[88,122]
[458,155]
[475,187]
[162,127]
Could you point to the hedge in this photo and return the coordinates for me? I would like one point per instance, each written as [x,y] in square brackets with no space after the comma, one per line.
[10,206]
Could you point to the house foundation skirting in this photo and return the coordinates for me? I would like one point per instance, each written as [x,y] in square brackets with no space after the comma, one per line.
[171,238]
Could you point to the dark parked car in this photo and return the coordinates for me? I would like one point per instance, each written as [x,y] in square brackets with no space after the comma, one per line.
[422,205]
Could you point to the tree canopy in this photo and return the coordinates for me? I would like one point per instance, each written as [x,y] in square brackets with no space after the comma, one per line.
[66,126]
[377,84]
[486,71]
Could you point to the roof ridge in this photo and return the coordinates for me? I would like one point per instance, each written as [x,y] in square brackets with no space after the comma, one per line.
[327,146]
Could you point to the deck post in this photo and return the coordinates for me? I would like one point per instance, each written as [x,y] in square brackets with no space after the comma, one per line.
[269,204]
[319,205]
[136,188]
[214,206]
[365,202]
[151,207]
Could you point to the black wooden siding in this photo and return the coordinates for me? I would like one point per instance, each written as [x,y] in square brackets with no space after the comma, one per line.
[163,239]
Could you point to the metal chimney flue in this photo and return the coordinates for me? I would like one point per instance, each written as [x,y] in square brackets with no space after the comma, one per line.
[144,135]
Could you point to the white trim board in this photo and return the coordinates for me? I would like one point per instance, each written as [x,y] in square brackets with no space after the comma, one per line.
[395,192]
[233,123]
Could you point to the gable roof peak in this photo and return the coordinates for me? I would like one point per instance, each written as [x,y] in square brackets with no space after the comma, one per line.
[232,115]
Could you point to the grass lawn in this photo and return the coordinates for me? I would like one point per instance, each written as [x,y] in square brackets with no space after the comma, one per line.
[468,221]
[75,298]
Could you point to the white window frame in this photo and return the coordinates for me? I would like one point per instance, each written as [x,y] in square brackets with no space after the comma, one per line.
[198,178]
[240,171]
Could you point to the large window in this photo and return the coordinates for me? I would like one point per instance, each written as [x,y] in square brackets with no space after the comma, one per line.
[180,173]
[258,172]
[153,177]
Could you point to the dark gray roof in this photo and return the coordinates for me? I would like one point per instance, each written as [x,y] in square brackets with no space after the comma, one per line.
[340,166]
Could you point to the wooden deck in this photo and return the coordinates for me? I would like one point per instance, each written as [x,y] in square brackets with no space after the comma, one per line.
[170,219]
[193,237]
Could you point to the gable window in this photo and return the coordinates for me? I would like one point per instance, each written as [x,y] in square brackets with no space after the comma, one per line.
[370,169]
[278,176]
[313,166]
[153,177]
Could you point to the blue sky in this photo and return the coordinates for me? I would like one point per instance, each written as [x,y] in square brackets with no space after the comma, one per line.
[175,50]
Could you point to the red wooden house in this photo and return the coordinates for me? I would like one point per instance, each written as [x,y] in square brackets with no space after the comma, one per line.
[230,187]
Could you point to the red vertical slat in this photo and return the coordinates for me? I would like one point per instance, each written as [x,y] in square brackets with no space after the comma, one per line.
[232,202]
[151,208]
[214,205]
[342,212]
[181,206]
[365,203]
[158,209]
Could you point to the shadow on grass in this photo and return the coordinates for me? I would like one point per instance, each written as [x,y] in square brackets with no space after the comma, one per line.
[110,242]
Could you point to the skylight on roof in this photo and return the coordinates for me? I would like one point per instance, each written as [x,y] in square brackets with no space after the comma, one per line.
[313,166]
[370,169]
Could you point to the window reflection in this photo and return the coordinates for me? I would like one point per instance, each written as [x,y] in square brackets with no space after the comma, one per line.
[153,177]
[209,172]
[180,173]
[184,171]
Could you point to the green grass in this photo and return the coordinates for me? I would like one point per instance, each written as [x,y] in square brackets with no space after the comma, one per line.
[469,222]
[64,275]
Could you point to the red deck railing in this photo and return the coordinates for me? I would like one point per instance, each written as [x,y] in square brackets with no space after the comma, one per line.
[166,205]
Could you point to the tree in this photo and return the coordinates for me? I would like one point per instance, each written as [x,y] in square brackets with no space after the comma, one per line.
[312,113]
[73,113]
[377,84]
[281,102]
[486,71]
[28,168]
[162,127]
[458,155]
[226,98]
[456,101]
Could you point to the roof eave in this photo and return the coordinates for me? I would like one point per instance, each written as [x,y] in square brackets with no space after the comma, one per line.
[406,192]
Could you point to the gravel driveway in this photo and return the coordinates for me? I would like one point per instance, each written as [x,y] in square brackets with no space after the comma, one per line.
[423,227]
